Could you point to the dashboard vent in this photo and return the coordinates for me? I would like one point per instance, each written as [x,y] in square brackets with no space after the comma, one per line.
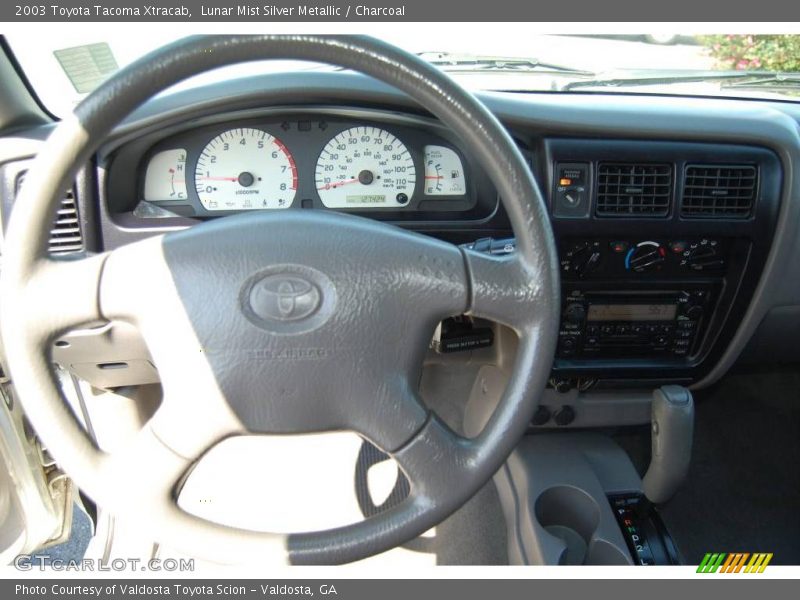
[633,190]
[719,191]
[66,235]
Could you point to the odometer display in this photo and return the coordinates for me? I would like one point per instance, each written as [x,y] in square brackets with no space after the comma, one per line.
[245,169]
[365,166]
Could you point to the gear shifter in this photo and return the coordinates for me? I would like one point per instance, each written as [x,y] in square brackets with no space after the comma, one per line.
[672,425]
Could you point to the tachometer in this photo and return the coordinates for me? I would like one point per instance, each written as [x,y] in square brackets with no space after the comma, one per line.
[245,169]
[365,167]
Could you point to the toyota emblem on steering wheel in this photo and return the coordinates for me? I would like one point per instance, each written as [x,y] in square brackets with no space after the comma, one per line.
[288,299]
[284,297]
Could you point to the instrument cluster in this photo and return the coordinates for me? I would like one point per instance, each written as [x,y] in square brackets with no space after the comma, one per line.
[305,161]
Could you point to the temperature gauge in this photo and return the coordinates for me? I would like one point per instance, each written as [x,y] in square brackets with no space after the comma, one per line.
[444,173]
[166,176]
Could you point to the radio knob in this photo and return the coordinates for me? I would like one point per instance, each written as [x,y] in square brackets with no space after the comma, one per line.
[541,416]
[574,313]
[645,256]
[564,416]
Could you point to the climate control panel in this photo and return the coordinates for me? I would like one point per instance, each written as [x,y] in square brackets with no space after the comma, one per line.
[590,258]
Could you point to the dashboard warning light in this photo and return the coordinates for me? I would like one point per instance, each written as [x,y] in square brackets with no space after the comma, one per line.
[565,181]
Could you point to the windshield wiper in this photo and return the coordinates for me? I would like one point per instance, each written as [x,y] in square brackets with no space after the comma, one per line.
[728,78]
[775,81]
[450,61]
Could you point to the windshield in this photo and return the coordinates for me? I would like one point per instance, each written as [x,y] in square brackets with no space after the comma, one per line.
[63,68]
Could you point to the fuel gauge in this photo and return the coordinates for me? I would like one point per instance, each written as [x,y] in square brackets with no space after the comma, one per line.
[165,178]
[444,173]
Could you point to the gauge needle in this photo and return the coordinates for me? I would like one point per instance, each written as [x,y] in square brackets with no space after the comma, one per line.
[220,178]
[434,177]
[338,184]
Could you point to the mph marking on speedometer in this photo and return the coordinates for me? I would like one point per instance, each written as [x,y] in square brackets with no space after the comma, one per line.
[245,169]
[365,165]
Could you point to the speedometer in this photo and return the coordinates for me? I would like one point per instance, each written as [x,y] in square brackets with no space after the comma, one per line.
[245,169]
[365,167]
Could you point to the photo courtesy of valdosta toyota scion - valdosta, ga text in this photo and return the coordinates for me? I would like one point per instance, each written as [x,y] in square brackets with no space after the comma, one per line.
[176,589]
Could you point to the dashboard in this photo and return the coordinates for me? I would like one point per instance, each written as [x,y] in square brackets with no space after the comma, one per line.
[676,219]
[660,241]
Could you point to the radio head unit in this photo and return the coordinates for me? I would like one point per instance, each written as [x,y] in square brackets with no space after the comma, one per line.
[633,324]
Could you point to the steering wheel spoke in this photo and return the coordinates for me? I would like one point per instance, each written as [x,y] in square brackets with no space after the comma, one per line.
[144,470]
[391,415]
[505,289]
[145,476]
[71,285]
[435,459]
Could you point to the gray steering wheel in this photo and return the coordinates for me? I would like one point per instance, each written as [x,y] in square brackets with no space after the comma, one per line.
[234,358]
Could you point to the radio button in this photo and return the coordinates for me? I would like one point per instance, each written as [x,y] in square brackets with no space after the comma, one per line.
[606,329]
[592,330]
[567,347]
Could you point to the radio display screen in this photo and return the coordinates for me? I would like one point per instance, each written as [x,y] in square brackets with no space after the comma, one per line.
[632,312]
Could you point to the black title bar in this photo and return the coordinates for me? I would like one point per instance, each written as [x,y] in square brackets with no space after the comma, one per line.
[236,11]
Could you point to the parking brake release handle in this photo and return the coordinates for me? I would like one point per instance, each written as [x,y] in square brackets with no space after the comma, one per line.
[672,428]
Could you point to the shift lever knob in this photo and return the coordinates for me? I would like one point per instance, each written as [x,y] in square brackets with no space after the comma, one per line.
[672,426]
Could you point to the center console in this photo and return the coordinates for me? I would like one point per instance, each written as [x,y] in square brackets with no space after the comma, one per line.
[575,498]
[661,246]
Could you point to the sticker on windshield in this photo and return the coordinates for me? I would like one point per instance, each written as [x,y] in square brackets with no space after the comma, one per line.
[87,66]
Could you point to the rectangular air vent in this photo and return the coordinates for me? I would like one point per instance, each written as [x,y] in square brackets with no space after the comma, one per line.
[719,191]
[633,190]
[66,235]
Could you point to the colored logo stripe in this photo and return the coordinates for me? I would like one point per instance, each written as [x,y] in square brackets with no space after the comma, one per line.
[758,563]
[734,562]
[711,563]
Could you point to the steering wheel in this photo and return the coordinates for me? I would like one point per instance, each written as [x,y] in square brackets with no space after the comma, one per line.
[237,354]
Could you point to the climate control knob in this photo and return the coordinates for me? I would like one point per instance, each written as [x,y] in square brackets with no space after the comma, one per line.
[645,256]
[582,258]
[703,256]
